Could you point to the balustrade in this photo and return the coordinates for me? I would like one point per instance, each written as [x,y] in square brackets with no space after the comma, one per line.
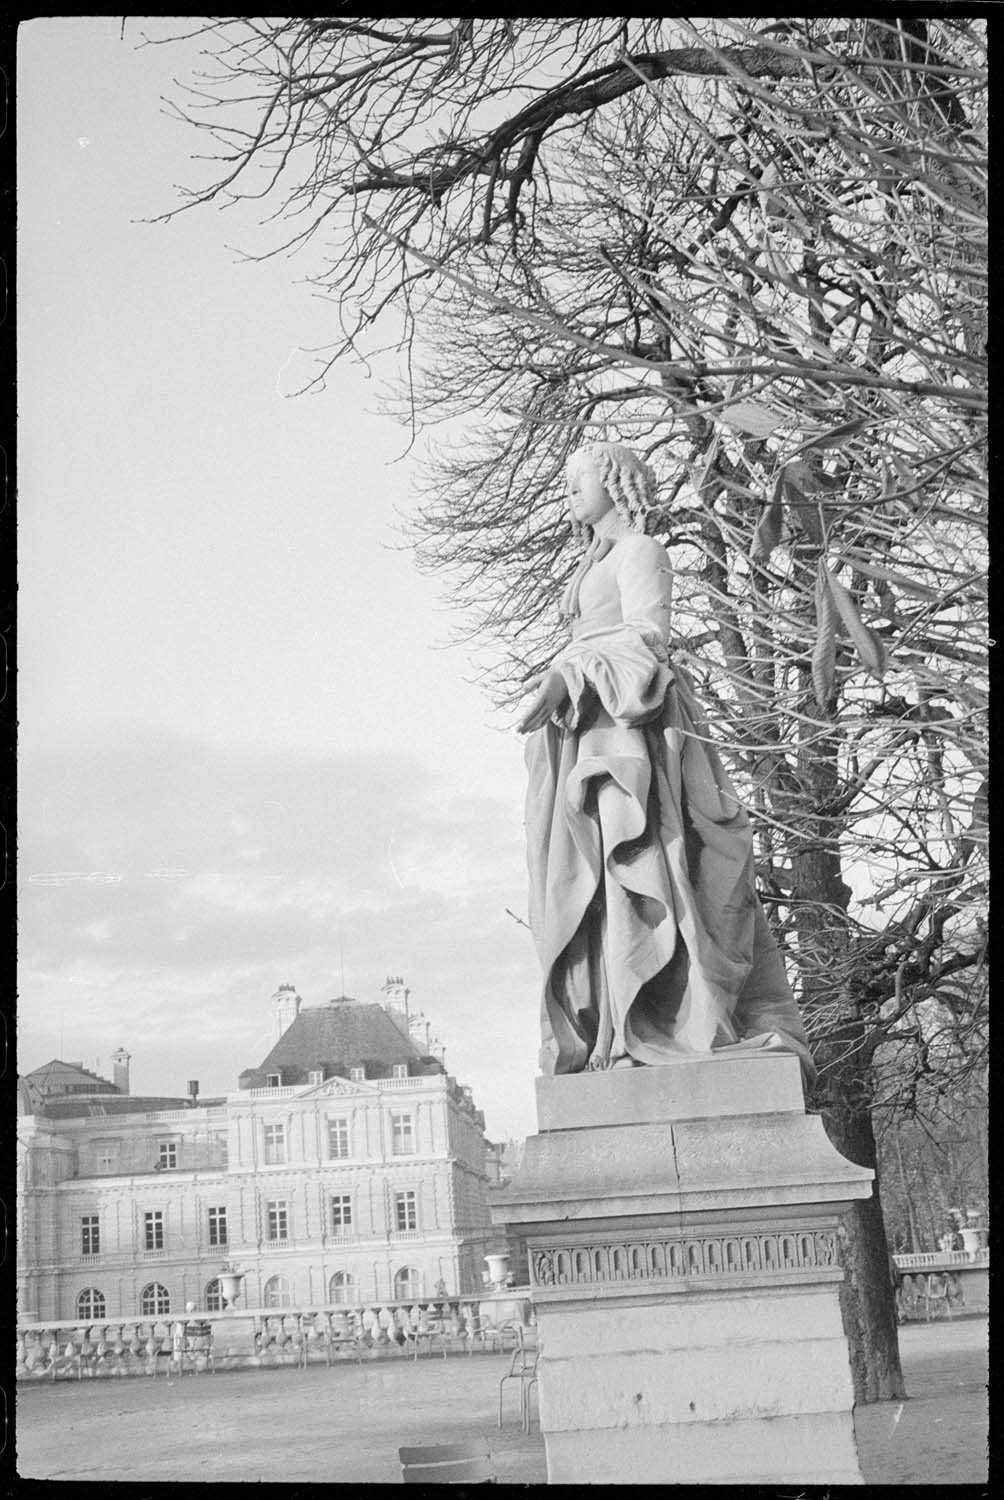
[282,1336]
[160,1115]
[941,1280]
[939,1260]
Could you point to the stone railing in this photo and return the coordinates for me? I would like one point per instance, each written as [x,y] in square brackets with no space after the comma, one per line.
[953,1281]
[258,1337]
[941,1260]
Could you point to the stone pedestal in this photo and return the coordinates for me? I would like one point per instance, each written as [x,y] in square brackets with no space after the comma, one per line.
[503,1308]
[234,1337]
[681,1232]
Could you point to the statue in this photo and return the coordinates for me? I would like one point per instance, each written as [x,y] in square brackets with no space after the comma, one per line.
[651,937]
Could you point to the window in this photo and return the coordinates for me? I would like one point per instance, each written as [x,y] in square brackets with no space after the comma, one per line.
[357,1074]
[275,1145]
[338,1137]
[316,1075]
[90,1238]
[217,1226]
[214,1296]
[407,1284]
[154,1301]
[405,1211]
[341,1213]
[167,1157]
[402,1138]
[399,1070]
[107,1158]
[342,1288]
[278,1219]
[153,1230]
[277,1293]
[273,1080]
[91,1304]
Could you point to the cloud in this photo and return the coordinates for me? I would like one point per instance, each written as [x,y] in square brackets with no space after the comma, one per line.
[168,886]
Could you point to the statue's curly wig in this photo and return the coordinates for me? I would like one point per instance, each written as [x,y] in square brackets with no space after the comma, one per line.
[628,480]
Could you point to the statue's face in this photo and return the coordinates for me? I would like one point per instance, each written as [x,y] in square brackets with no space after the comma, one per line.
[588,499]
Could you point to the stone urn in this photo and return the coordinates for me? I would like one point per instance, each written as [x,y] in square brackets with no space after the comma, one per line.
[498,1269]
[230,1286]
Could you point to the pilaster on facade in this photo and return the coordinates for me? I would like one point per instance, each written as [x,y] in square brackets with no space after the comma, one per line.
[327,1190]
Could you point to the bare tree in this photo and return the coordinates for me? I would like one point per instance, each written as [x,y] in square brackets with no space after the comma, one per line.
[932,1140]
[758,252]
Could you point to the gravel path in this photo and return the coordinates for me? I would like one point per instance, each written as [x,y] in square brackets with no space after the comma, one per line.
[346,1423]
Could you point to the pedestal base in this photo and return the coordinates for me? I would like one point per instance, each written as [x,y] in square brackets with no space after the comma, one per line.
[809,1449]
[685,1279]
[234,1337]
[738,1387]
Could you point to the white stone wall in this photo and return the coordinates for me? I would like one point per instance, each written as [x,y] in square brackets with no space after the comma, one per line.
[221,1164]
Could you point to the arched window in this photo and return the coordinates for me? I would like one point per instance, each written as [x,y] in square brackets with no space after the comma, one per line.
[214,1296]
[91,1303]
[342,1287]
[154,1301]
[407,1284]
[277,1293]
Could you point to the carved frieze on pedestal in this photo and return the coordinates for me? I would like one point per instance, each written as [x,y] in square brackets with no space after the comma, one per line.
[723,1260]
[685,1276]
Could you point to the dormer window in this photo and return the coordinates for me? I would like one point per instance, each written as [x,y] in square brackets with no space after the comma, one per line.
[316,1075]
[399,1070]
[273,1080]
[357,1075]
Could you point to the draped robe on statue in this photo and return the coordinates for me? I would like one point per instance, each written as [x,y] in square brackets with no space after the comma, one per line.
[651,938]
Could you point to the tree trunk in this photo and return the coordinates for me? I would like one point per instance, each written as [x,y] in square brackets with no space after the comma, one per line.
[932,1213]
[867,1295]
[908,1207]
[842,1094]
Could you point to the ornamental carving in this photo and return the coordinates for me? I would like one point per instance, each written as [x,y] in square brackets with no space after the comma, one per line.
[691,1256]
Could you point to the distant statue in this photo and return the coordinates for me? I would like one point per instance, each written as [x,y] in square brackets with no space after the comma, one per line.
[651,938]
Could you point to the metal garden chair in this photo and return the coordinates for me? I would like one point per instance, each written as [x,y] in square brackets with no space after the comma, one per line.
[523,1368]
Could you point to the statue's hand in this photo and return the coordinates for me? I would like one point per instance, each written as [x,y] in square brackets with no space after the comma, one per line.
[548,698]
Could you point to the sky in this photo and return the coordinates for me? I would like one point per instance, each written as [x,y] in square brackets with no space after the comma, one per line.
[247,755]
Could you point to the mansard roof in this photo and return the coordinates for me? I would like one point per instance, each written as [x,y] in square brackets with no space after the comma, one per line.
[57,1076]
[343,1034]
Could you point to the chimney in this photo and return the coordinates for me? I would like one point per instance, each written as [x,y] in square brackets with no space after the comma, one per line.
[193,1090]
[397,993]
[120,1065]
[420,1033]
[396,1004]
[287,1006]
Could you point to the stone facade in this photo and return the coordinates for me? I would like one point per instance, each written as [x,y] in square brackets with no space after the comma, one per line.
[337,1190]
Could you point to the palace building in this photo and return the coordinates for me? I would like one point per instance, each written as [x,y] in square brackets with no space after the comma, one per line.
[348,1167]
